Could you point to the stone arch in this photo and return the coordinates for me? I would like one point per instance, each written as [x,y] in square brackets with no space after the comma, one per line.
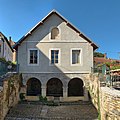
[33,87]
[54,87]
[75,87]
[54,33]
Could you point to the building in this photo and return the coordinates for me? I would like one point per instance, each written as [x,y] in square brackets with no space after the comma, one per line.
[6,50]
[55,59]
[112,63]
[12,43]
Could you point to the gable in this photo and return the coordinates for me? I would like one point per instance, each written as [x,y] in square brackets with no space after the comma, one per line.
[3,38]
[68,33]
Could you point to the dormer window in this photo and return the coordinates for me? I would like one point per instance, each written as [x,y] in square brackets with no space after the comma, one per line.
[54,33]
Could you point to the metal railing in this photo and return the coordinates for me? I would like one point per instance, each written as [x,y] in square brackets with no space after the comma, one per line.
[115,81]
[106,79]
[5,68]
[96,70]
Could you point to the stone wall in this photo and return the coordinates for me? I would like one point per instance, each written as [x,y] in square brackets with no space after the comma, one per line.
[93,89]
[105,99]
[109,104]
[9,96]
[1,100]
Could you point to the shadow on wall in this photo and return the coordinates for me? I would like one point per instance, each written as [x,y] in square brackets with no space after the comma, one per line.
[53,82]
[52,79]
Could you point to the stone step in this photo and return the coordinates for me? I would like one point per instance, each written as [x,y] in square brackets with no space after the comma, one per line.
[76,103]
[49,118]
[60,103]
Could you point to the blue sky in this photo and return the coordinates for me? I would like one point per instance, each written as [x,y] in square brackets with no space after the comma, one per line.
[98,19]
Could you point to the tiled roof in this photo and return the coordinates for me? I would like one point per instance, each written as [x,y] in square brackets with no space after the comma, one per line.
[104,60]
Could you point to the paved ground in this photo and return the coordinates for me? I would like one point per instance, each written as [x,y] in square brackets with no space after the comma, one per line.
[42,112]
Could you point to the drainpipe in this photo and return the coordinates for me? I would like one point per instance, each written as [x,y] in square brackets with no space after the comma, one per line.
[17,61]
[3,45]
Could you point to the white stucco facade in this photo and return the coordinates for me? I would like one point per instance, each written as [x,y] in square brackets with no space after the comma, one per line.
[67,40]
[6,50]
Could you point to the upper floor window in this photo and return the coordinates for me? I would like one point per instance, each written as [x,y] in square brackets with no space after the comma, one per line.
[33,56]
[54,33]
[76,57]
[54,56]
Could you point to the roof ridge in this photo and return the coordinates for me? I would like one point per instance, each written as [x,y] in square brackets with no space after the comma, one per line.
[64,19]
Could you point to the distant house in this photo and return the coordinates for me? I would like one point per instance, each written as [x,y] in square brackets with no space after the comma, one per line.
[6,50]
[12,43]
[105,60]
[55,59]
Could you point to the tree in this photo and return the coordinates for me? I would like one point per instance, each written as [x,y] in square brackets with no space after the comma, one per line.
[98,54]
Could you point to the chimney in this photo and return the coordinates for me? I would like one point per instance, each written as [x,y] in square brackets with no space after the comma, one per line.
[10,41]
[10,38]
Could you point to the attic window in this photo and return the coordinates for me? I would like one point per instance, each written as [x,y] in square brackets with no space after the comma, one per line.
[54,33]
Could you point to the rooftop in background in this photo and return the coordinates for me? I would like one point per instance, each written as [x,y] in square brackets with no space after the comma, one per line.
[2,36]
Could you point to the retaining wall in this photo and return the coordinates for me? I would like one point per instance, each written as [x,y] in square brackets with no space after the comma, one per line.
[105,99]
[9,96]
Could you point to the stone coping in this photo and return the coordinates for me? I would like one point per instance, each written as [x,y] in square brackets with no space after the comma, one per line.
[111,91]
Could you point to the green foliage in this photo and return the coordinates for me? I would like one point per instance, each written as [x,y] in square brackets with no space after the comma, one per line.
[108,64]
[9,62]
[42,99]
[22,96]
[98,54]
[115,67]
[14,63]
[2,60]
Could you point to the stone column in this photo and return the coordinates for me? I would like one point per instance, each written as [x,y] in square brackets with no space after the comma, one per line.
[65,92]
[86,98]
[43,90]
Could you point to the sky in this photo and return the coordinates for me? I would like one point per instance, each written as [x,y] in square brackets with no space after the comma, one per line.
[99,20]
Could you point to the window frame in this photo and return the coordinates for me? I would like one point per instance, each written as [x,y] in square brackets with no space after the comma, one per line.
[29,64]
[59,56]
[80,57]
[58,34]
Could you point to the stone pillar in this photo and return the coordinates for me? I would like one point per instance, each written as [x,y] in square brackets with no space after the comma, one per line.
[86,98]
[43,90]
[65,92]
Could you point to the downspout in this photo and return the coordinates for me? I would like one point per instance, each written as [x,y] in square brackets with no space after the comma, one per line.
[3,46]
[17,61]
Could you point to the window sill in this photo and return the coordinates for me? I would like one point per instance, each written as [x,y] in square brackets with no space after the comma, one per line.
[33,64]
[76,64]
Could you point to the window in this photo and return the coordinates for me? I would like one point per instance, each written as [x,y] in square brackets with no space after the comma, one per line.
[54,56]
[54,33]
[75,56]
[33,56]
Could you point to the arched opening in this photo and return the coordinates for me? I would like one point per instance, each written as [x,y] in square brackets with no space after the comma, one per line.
[54,33]
[75,87]
[54,87]
[33,87]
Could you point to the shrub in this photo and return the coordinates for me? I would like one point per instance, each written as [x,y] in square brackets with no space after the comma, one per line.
[22,96]
[42,99]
